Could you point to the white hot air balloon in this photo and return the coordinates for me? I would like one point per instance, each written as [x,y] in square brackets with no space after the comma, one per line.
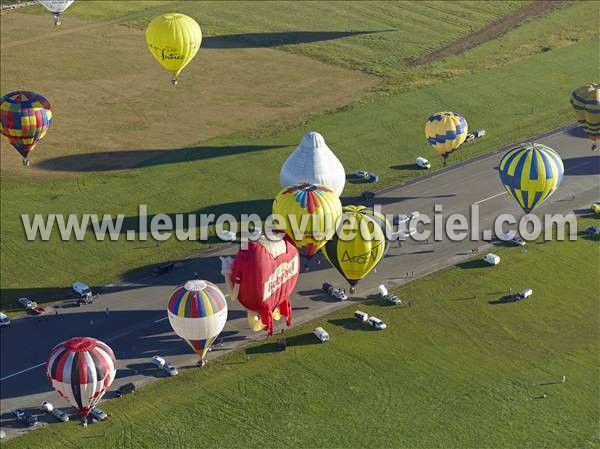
[313,162]
[56,7]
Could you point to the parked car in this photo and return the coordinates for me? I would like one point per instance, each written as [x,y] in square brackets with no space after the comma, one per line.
[227,236]
[4,320]
[511,237]
[361,316]
[27,303]
[163,269]
[60,415]
[98,414]
[321,334]
[158,361]
[423,163]
[470,138]
[373,177]
[83,292]
[24,417]
[376,323]
[367,195]
[523,294]
[491,259]
[125,389]
[361,174]
[479,133]
[47,407]
[384,293]
[335,292]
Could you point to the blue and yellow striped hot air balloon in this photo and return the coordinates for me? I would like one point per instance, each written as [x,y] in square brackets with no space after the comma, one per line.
[446,131]
[531,173]
[197,313]
[357,247]
[25,117]
[586,104]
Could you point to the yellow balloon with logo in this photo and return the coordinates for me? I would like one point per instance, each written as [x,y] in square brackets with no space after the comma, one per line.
[174,40]
[359,243]
[309,212]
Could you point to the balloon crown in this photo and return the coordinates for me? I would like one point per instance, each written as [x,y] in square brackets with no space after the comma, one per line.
[195,285]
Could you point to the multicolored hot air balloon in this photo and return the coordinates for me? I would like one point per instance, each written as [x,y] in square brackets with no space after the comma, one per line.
[56,7]
[354,257]
[25,117]
[197,313]
[312,162]
[446,131]
[262,278]
[81,370]
[173,39]
[531,173]
[586,103]
[311,210]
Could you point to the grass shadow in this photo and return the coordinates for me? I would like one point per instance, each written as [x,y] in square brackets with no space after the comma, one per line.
[469,264]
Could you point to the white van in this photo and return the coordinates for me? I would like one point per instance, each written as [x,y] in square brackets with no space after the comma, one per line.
[491,259]
[383,291]
[321,334]
[82,290]
[4,321]
[526,293]
[422,162]
[361,316]
[376,323]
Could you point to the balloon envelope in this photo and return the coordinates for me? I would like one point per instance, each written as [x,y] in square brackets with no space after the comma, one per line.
[81,369]
[197,312]
[313,162]
[263,277]
[586,104]
[25,117]
[355,257]
[446,131]
[173,39]
[531,173]
[311,210]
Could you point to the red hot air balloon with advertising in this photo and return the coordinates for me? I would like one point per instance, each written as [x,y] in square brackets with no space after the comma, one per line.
[262,278]
[81,370]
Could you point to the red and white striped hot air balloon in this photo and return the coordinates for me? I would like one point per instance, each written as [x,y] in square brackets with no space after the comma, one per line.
[81,370]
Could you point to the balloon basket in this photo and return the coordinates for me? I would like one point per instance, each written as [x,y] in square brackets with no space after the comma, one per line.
[25,162]
[174,81]
[595,147]
[352,289]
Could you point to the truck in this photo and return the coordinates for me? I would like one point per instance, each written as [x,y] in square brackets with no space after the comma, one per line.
[83,292]
[335,292]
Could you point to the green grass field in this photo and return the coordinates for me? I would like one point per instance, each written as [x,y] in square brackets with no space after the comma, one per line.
[382,133]
[452,370]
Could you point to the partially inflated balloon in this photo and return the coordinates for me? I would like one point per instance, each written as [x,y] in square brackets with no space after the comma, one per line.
[531,173]
[355,257]
[197,312]
[586,103]
[56,7]
[81,370]
[446,131]
[311,211]
[174,40]
[313,162]
[25,117]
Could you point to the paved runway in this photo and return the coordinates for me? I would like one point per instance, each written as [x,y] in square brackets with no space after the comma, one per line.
[137,328]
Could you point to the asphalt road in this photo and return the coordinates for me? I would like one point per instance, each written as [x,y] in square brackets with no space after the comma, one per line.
[136,324]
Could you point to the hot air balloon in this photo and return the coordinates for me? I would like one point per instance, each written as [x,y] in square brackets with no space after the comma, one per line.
[312,205]
[81,369]
[174,40]
[531,173]
[56,7]
[312,162]
[586,103]
[25,117]
[355,257]
[197,313]
[446,131]
[262,278]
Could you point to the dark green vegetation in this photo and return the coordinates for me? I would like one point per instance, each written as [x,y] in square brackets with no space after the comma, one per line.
[515,86]
[455,369]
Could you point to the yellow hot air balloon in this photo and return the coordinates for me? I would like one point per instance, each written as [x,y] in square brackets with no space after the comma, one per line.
[174,40]
[355,256]
[446,131]
[586,104]
[316,206]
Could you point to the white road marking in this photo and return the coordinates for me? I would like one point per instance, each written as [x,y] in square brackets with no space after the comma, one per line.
[490,197]
[162,319]
[22,371]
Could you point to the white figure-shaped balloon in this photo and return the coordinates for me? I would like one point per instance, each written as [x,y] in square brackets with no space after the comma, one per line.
[56,7]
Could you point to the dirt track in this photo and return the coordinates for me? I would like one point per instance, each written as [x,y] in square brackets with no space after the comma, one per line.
[489,32]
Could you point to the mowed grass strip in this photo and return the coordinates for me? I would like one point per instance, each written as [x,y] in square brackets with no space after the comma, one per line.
[240,173]
[454,369]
